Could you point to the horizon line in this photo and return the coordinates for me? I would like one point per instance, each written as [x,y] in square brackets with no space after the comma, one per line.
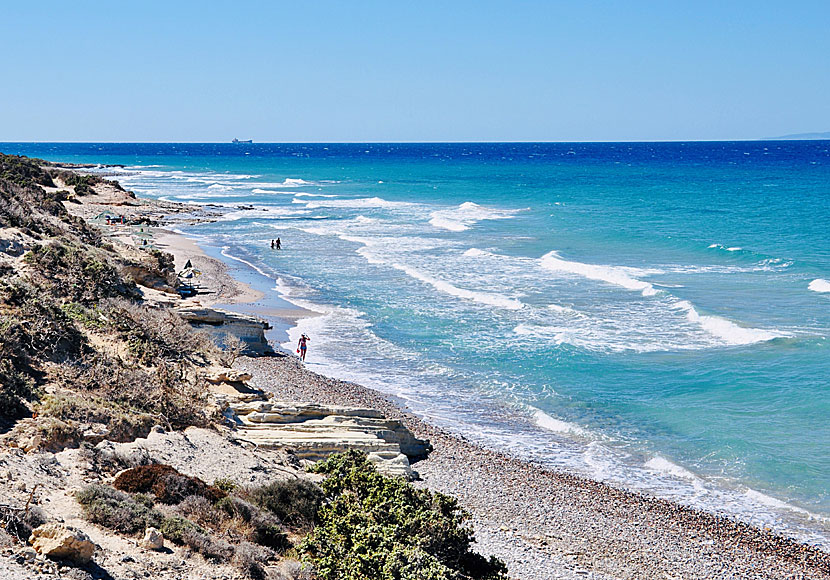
[230,142]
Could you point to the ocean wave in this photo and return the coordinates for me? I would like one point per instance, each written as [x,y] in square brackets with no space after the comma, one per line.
[498,300]
[726,248]
[262,212]
[304,194]
[726,330]
[616,275]
[261,191]
[664,466]
[466,215]
[360,202]
[584,338]
[545,421]
[819,285]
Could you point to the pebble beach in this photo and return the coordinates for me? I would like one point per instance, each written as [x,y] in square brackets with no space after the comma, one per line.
[547,525]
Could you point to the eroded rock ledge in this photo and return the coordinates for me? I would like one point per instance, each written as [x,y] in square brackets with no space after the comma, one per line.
[219,323]
[313,432]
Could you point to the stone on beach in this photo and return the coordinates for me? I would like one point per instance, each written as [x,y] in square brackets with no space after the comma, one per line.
[313,432]
[55,540]
[152,540]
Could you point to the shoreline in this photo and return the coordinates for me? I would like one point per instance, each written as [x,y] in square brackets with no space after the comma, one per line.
[542,523]
[548,524]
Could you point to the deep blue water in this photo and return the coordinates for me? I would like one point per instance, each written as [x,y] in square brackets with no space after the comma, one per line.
[651,314]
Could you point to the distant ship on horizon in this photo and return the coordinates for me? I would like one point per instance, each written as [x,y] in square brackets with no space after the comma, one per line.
[237,141]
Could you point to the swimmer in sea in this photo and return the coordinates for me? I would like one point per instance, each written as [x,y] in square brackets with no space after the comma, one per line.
[302,346]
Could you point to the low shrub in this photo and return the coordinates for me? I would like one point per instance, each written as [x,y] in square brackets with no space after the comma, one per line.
[374,527]
[78,272]
[254,524]
[167,394]
[226,484]
[116,510]
[154,333]
[249,558]
[122,424]
[294,501]
[177,529]
[165,483]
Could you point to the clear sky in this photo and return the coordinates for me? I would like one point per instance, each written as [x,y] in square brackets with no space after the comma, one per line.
[357,70]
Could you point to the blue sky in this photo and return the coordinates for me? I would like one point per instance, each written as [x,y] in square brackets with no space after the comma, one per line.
[413,71]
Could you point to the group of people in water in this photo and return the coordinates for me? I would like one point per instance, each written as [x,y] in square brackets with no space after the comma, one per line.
[276,244]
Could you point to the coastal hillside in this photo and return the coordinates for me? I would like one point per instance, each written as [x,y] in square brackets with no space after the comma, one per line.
[131,447]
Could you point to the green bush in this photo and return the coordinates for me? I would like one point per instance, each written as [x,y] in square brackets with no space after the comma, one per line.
[77,272]
[116,510]
[294,501]
[177,529]
[374,527]
[256,525]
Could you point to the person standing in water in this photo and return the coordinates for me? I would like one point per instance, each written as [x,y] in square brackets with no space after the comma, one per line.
[279,244]
[272,244]
[302,346]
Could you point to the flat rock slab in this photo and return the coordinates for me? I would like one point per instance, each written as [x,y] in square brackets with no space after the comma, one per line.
[314,431]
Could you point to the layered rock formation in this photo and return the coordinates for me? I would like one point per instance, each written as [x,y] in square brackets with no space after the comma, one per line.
[313,432]
[220,323]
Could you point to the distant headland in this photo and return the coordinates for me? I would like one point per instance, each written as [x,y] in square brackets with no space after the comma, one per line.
[800,137]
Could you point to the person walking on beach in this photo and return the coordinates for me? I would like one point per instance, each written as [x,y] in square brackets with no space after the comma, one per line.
[279,244]
[302,346]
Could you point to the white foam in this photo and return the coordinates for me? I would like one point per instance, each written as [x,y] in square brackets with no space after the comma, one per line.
[663,465]
[616,275]
[262,212]
[549,423]
[497,300]
[361,202]
[819,285]
[726,330]
[722,247]
[564,310]
[271,191]
[583,338]
[466,215]
[304,194]
[251,265]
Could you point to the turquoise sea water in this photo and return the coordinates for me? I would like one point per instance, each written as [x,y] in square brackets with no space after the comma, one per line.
[652,315]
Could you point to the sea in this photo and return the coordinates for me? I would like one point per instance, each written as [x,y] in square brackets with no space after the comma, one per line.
[651,315]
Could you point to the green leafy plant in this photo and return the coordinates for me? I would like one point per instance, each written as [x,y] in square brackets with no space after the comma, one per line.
[374,527]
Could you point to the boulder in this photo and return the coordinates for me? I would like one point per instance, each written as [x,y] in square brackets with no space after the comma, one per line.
[58,541]
[313,432]
[226,375]
[153,540]
[219,323]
